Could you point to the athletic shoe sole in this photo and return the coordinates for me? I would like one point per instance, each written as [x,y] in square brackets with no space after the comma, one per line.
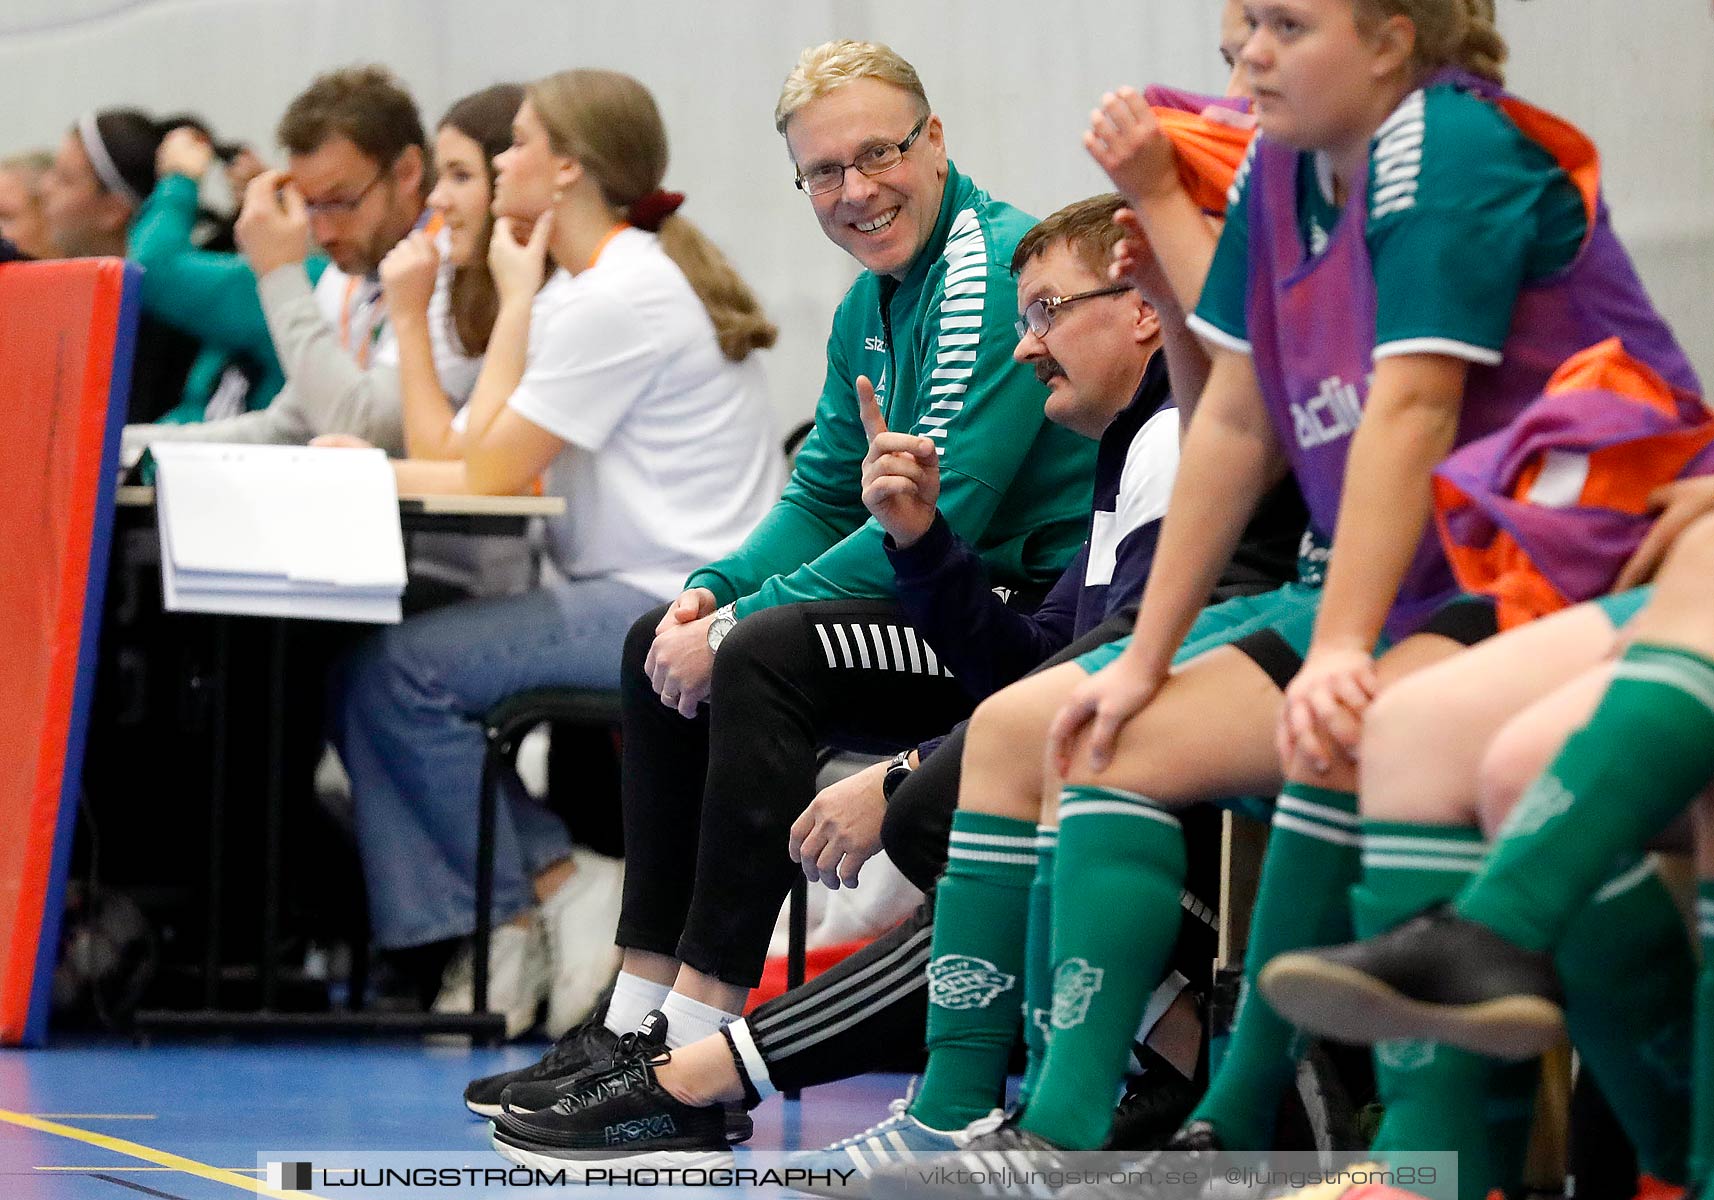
[489,1111]
[577,1165]
[1348,1005]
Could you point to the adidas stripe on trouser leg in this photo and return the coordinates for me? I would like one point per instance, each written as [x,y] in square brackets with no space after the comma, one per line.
[832,1026]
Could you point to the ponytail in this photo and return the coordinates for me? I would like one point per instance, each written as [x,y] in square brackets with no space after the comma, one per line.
[740,326]
[1450,33]
[1480,49]
[609,123]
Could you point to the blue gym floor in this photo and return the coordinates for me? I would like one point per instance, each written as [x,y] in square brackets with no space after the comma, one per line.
[185,1120]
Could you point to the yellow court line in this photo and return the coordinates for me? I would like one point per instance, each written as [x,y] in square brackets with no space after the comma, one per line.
[148,1154]
[135,1170]
[95,1116]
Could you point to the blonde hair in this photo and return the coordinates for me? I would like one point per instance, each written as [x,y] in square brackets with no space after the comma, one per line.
[831,65]
[608,122]
[32,165]
[1460,33]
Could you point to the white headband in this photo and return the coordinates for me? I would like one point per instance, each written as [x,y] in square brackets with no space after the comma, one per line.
[109,174]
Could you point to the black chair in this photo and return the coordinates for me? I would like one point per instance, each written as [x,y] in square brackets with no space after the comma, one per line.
[505,727]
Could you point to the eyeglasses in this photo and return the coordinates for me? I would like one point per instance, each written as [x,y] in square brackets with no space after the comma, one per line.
[343,208]
[1037,317]
[876,160]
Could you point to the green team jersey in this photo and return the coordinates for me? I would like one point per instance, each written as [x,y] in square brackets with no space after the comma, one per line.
[938,346]
[1463,210]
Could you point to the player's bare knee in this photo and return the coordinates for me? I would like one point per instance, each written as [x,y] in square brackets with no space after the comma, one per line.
[1512,762]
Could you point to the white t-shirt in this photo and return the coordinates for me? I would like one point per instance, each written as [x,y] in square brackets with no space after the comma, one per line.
[671,457]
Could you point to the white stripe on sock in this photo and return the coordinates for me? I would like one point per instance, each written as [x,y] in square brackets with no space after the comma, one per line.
[1417,863]
[991,856]
[1448,846]
[995,839]
[1620,884]
[1693,679]
[1115,808]
[1325,812]
[1314,829]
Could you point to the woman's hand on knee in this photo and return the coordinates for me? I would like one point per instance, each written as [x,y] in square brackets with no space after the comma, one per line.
[1679,505]
[1097,710]
[1322,719]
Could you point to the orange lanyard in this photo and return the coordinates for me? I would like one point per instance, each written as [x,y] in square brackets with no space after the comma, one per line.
[371,335]
[606,240]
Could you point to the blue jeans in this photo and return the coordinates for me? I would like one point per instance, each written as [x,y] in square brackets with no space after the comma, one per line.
[407,721]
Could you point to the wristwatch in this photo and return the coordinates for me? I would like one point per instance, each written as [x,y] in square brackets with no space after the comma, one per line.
[724,619]
[897,772]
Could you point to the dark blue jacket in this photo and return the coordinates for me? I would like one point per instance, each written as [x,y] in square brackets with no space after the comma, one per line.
[945,589]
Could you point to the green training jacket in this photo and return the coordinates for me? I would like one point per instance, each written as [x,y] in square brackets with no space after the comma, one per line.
[938,346]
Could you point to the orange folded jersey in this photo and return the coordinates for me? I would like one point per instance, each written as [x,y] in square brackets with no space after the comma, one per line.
[1545,513]
[1209,151]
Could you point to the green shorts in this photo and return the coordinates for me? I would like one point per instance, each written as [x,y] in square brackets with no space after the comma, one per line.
[1275,629]
[1620,607]
[1289,611]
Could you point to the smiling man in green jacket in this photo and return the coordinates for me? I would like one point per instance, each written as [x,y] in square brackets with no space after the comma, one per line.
[719,749]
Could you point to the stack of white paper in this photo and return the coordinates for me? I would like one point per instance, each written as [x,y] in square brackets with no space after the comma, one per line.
[280,531]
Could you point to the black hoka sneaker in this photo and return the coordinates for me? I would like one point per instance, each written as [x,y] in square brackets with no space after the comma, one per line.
[1437,977]
[582,1047]
[1153,1107]
[620,1115]
[526,1096]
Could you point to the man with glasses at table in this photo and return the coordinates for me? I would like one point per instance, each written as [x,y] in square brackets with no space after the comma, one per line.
[797,638]
[356,181]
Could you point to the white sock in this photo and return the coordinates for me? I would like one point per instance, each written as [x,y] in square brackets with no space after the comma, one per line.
[633,999]
[691,1020]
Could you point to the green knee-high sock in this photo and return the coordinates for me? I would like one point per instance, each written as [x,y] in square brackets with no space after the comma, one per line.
[1438,1098]
[1038,961]
[1303,900]
[1635,1038]
[1119,870]
[1603,798]
[1702,1105]
[975,984]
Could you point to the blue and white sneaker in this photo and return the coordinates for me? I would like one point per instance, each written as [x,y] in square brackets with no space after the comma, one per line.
[899,1140]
